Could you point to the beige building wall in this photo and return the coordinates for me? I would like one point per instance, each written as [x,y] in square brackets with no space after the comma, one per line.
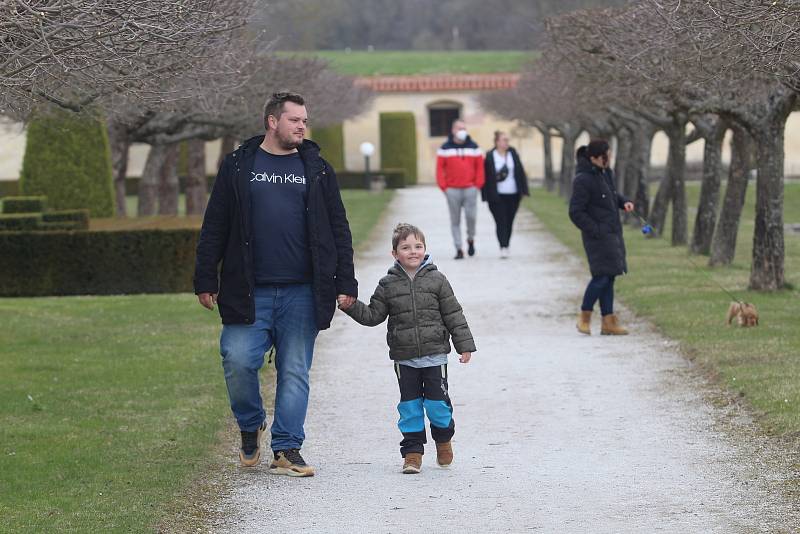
[480,124]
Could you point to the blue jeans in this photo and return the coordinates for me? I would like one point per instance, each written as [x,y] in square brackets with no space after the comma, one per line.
[285,318]
[600,288]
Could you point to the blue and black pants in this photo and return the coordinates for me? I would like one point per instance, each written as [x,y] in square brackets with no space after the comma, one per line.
[423,391]
[600,288]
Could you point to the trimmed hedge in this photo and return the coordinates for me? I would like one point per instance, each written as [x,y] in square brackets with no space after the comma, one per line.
[97,263]
[331,143]
[399,143]
[395,178]
[67,219]
[24,204]
[68,159]
[20,221]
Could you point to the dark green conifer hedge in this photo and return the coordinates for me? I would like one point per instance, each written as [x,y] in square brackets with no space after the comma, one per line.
[67,158]
[399,143]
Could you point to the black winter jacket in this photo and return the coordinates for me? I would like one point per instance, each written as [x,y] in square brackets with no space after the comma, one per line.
[423,314]
[489,190]
[226,236]
[594,208]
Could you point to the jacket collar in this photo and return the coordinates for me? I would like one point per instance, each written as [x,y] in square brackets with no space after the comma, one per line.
[426,265]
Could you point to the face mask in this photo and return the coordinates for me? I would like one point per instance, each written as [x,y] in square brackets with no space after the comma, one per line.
[461,135]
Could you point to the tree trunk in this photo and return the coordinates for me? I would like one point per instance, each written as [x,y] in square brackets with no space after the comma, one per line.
[723,245]
[196,188]
[677,172]
[709,189]
[622,159]
[120,147]
[569,135]
[549,178]
[168,185]
[148,185]
[766,272]
[636,181]
[226,147]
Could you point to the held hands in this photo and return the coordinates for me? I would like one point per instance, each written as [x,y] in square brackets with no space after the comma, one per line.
[628,206]
[465,357]
[207,300]
[345,301]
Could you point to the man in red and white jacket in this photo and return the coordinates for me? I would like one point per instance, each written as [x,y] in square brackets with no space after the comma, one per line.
[459,173]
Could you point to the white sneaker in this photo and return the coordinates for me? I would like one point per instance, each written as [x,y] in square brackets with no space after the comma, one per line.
[504,253]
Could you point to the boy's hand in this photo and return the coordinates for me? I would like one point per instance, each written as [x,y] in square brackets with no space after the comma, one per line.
[465,357]
[207,300]
[345,301]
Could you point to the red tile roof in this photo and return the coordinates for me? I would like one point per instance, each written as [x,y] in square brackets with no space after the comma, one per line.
[439,82]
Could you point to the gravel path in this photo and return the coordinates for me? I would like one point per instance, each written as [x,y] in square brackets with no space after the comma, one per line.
[555,432]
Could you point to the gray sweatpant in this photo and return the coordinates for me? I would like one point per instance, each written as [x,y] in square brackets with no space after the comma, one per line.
[458,198]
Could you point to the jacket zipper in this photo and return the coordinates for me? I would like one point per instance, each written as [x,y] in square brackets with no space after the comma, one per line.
[414,309]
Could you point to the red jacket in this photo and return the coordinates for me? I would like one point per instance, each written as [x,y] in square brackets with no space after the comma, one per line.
[459,166]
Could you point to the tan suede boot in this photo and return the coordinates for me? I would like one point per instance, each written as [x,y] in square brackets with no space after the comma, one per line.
[444,454]
[611,326]
[584,321]
[412,463]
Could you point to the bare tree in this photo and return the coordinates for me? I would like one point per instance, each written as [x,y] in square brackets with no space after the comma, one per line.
[72,53]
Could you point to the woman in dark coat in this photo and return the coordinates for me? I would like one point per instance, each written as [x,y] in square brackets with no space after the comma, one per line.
[594,208]
[506,183]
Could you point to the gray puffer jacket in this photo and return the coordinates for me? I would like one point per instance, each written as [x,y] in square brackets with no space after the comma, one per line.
[423,313]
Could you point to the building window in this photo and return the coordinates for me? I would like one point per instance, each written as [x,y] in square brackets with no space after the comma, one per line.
[441,116]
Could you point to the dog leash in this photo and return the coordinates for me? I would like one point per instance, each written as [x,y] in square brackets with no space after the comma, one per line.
[647,229]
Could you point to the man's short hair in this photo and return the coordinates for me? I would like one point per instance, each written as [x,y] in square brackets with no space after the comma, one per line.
[402,231]
[275,102]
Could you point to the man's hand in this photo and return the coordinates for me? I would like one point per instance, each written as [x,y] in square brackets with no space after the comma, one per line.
[345,301]
[207,300]
[465,357]
[628,206]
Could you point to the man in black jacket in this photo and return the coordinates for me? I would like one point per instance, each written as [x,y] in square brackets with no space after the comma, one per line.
[276,222]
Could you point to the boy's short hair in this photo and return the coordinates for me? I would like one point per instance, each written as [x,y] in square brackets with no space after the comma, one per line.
[402,231]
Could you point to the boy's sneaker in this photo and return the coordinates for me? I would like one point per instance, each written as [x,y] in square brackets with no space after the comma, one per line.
[459,254]
[290,463]
[471,247]
[250,452]
[444,454]
[412,463]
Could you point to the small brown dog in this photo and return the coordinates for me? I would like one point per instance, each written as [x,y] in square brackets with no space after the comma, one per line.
[745,313]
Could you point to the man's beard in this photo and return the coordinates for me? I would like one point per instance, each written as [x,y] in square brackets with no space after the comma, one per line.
[288,143]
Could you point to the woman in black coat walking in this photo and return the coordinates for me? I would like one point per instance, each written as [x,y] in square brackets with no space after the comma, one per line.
[594,208]
[506,183]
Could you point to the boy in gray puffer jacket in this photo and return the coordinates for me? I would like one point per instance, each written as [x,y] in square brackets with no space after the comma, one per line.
[423,315]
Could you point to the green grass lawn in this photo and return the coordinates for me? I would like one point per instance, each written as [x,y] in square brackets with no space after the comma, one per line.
[761,364]
[110,406]
[377,63]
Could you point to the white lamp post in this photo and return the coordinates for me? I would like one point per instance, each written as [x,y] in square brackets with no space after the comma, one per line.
[367,149]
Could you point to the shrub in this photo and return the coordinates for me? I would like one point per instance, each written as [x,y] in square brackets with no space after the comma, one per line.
[96,263]
[67,158]
[20,221]
[331,142]
[66,219]
[399,143]
[24,204]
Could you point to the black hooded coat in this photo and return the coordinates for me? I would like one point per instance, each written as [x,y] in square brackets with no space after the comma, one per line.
[594,208]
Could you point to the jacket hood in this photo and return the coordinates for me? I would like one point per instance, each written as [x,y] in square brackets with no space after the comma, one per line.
[308,149]
[397,269]
[451,143]
[583,165]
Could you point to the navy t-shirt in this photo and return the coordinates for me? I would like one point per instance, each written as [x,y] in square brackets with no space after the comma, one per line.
[281,253]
